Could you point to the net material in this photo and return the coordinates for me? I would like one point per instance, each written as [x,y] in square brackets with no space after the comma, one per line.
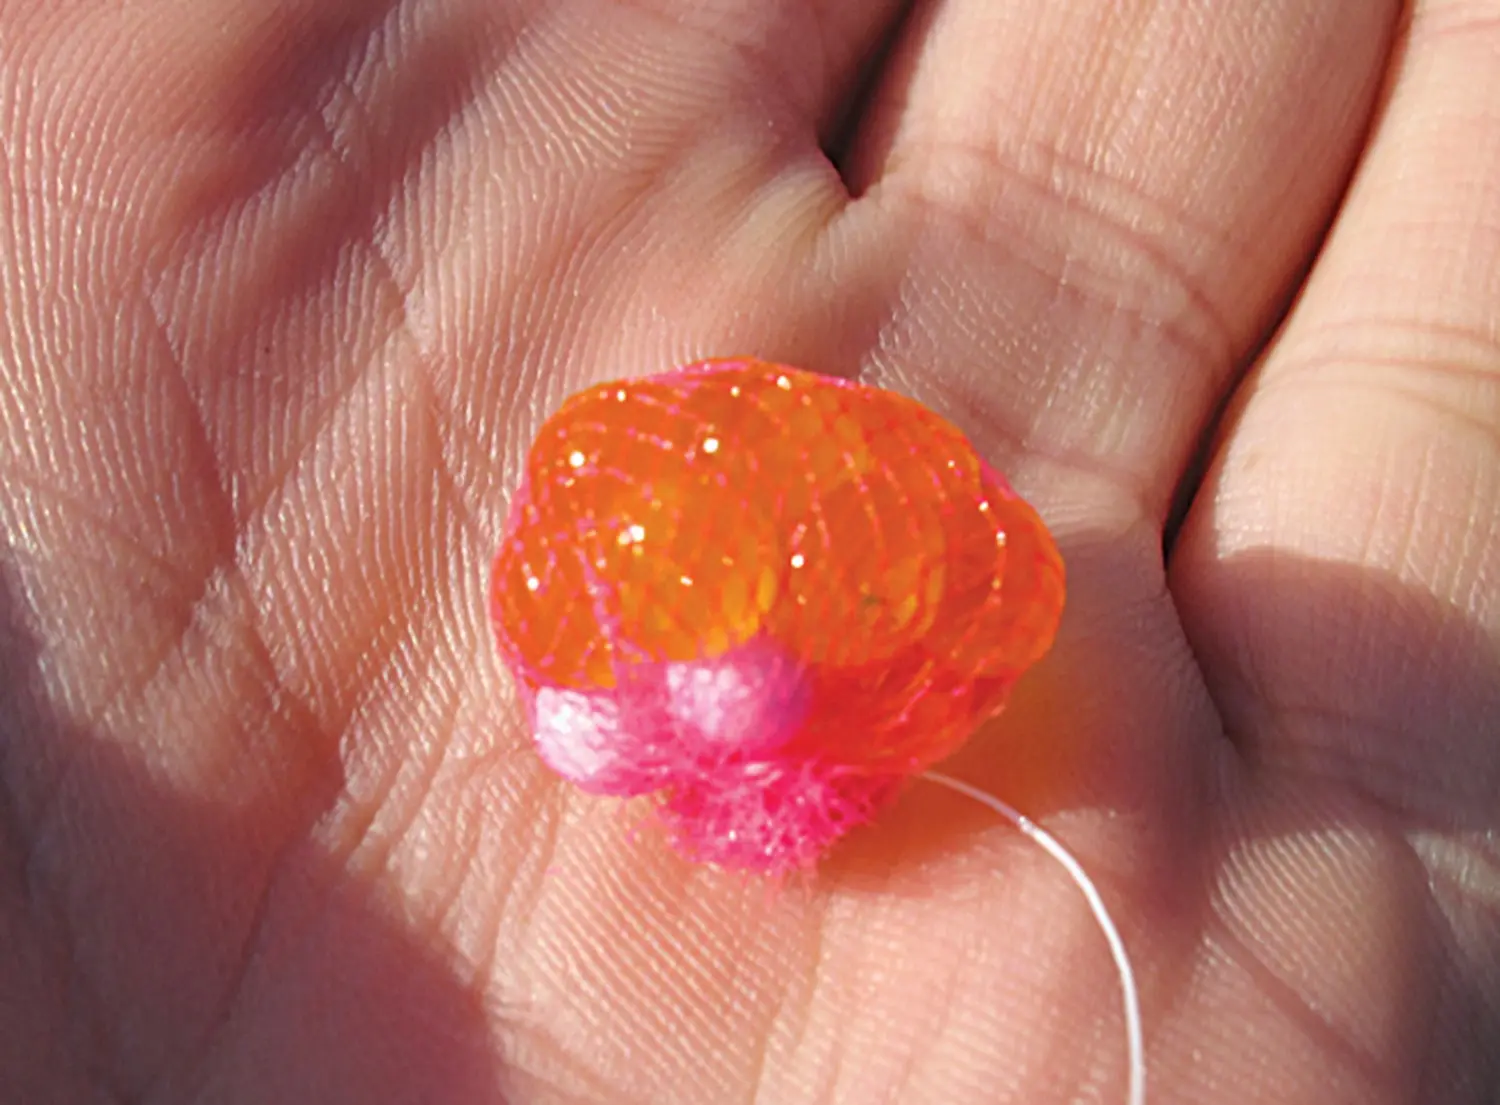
[767,596]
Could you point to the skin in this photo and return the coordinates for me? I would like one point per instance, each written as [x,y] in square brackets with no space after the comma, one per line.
[285,288]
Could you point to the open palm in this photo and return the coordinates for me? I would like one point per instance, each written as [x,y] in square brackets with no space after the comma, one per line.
[286,287]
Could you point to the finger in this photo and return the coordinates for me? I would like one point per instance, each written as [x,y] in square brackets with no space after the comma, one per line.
[1337,578]
[1338,572]
[1103,207]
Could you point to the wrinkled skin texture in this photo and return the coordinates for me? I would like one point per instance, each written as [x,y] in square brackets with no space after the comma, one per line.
[285,287]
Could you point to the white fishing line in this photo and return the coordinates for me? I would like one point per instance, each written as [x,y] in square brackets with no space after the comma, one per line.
[1134,1045]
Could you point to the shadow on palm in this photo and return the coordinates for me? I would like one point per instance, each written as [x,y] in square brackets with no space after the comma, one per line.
[173,946]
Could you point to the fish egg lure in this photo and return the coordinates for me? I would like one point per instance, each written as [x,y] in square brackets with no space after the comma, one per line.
[767,597]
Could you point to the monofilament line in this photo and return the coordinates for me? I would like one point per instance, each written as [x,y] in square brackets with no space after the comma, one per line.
[1134,1045]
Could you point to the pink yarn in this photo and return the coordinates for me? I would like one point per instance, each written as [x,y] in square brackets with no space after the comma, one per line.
[713,737]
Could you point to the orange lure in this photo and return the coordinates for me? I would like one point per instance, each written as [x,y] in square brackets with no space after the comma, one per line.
[767,596]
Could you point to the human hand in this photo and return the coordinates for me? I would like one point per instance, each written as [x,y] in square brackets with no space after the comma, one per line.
[287,288]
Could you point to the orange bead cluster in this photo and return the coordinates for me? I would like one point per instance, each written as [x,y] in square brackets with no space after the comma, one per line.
[674,524]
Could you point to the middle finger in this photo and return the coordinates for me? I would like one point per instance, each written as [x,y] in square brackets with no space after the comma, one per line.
[1104,206]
